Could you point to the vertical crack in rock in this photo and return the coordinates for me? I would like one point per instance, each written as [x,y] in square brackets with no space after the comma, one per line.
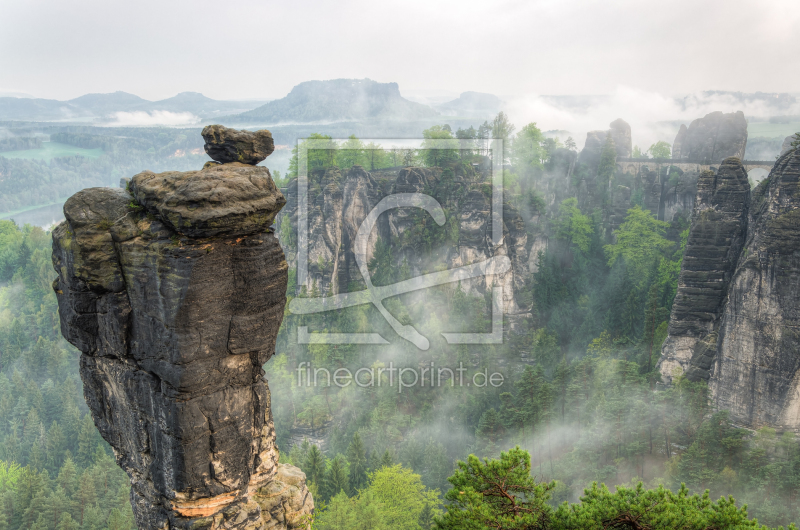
[174,290]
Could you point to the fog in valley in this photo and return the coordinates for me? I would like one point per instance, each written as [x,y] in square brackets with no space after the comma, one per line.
[581,266]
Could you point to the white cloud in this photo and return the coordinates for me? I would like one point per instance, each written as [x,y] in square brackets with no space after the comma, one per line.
[645,111]
[141,118]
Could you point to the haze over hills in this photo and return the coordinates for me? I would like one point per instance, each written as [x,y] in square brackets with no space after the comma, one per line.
[337,100]
[472,104]
[105,106]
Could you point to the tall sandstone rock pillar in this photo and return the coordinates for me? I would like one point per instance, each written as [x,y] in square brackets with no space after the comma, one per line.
[757,367]
[716,237]
[173,289]
[736,317]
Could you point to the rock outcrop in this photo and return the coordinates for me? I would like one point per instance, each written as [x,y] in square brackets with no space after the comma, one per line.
[719,223]
[339,201]
[736,316]
[787,143]
[229,145]
[711,139]
[173,289]
[757,366]
[620,133]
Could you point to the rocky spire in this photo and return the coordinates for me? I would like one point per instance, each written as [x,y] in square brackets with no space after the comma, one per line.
[719,224]
[173,289]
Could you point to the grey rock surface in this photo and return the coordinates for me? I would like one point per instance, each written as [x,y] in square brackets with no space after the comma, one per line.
[231,145]
[677,145]
[339,201]
[736,316]
[716,237]
[787,144]
[757,366]
[174,328]
[233,199]
[620,133]
[712,138]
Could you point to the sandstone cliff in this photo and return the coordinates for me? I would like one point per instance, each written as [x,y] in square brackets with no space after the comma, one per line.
[757,366]
[619,131]
[173,290]
[719,222]
[339,201]
[712,138]
[736,316]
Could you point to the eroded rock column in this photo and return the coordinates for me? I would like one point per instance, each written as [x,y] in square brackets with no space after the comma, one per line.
[173,289]
[716,237]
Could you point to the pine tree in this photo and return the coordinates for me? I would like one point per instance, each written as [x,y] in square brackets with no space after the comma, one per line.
[357,458]
[87,439]
[336,479]
[315,465]
[93,519]
[68,477]
[68,523]
[87,495]
[386,460]
[56,505]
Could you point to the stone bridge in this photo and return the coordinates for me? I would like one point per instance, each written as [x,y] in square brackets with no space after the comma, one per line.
[634,165]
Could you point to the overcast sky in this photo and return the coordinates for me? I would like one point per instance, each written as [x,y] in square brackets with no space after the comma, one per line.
[259,49]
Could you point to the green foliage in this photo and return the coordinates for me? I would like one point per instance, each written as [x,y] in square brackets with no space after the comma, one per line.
[395,498]
[572,226]
[502,127]
[660,149]
[527,151]
[320,151]
[497,494]
[439,147]
[652,509]
[640,242]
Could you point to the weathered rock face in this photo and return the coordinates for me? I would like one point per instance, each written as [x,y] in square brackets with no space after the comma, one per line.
[757,366]
[719,223]
[787,144]
[340,200]
[175,302]
[737,312]
[677,145]
[620,133]
[229,145]
[711,139]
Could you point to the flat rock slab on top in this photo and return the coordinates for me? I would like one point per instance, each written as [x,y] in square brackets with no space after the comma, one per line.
[227,199]
[230,145]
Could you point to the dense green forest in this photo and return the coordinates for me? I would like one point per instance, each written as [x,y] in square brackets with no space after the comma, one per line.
[580,393]
[56,472]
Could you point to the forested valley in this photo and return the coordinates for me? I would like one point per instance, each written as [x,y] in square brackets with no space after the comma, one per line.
[581,417]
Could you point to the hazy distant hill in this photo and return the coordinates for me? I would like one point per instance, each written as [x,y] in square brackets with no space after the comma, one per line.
[38,109]
[338,100]
[105,105]
[101,104]
[472,104]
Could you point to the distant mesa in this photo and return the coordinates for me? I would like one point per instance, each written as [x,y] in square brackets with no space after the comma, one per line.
[472,104]
[338,100]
